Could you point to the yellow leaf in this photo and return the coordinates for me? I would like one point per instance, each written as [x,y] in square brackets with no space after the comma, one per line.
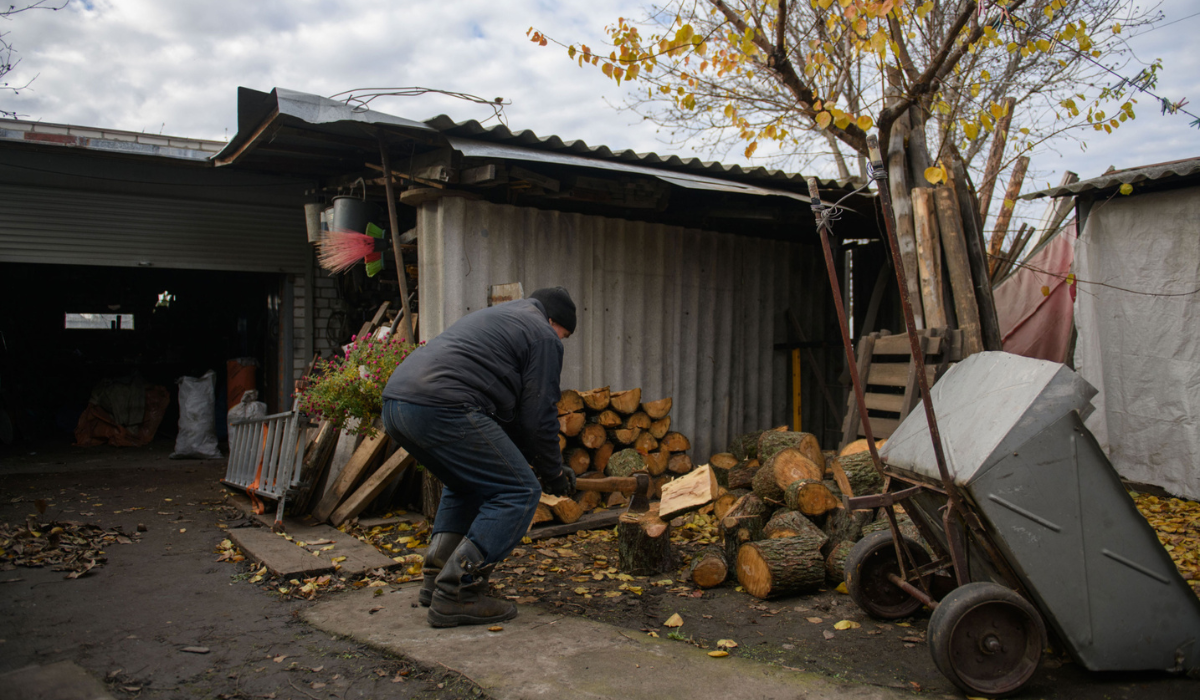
[815,620]
[338,560]
[726,644]
[674,621]
[824,4]
[971,130]
[842,121]
[847,625]
[496,628]
[652,634]
[823,120]
[1045,291]
[581,590]
[1127,188]
[751,149]
[865,122]
[934,174]
[1116,29]
[841,588]
[1071,278]
[718,654]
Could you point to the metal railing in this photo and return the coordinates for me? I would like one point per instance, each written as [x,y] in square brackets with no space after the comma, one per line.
[265,456]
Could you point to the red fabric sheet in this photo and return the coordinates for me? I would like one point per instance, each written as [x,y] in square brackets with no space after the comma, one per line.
[1033,324]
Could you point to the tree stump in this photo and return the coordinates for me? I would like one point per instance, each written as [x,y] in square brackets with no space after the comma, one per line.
[625,463]
[784,467]
[596,399]
[772,441]
[709,568]
[835,562]
[856,475]
[791,523]
[644,544]
[785,566]
[811,497]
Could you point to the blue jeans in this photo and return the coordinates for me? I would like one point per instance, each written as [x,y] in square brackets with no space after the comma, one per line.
[489,492]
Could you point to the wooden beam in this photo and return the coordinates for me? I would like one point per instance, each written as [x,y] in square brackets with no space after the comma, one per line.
[374,485]
[989,319]
[958,269]
[406,327]
[900,184]
[364,456]
[1010,202]
[995,156]
[929,256]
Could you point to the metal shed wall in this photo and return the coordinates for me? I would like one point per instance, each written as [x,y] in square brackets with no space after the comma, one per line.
[68,226]
[689,314]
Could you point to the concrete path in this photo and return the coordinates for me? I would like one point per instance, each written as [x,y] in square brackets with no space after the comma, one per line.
[541,655]
[59,681]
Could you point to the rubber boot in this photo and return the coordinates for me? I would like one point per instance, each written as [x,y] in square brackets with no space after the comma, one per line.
[462,602]
[441,546]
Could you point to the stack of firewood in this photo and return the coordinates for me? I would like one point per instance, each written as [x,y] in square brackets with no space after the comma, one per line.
[783,527]
[614,433]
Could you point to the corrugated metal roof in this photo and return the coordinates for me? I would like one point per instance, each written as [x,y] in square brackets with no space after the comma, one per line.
[1129,176]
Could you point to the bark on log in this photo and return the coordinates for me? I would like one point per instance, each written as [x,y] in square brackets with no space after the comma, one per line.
[570,424]
[811,497]
[596,399]
[857,475]
[784,467]
[688,493]
[680,463]
[859,445]
[657,409]
[676,442]
[644,544]
[786,566]
[745,446]
[807,443]
[709,568]
[645,443]
[660,427]
[791,523]
[578,460]
[625,402]
[565,510]
[608,418]
[571,402]
[835,562]
[844,525]
[656,462]
[624,463]
[906,528]
[742,476]
[593,435]
[743,523]
[601,455]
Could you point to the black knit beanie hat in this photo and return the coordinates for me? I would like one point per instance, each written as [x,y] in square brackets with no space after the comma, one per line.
[559,306]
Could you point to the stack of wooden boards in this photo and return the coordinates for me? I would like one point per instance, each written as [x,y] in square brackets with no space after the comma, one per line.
[784,530]
[614,433]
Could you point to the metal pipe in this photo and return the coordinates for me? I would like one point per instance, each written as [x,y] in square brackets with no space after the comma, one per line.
[913,591]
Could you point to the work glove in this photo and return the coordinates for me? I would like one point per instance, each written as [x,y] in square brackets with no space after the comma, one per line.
[563,484]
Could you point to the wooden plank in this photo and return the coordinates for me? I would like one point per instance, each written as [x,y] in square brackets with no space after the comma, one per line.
[912,390]
[596,520]
[884,402]
[851,423]
[369,326]
[350,474]
[347,443]
[995,156]
[288,559]
[374,485]
[881,427]
[958,268]
[899,345]
[1010,201]
[929,256]
[900,185]
[888,374]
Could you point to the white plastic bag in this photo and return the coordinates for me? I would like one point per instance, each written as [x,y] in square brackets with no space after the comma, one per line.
[249,407]
[197,437]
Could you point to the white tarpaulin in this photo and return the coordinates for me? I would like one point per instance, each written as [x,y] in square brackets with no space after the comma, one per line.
[1138,315]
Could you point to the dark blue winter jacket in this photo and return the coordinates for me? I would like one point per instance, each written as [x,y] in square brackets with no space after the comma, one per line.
[504,360]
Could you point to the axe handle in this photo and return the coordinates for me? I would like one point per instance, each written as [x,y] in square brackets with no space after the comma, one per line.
[608,484]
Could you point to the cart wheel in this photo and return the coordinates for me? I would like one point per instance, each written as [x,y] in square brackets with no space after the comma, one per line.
[986,639]
[867,568]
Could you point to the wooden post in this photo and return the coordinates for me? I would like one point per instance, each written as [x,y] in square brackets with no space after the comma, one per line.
[995,156]
[929,256]
[989,319]
[958,269]
[406,327]
[900,184]
[1010,200]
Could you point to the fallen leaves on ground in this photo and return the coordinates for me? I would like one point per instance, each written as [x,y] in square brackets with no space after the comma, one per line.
[1177,523]
[846,625]
[674,621]
[69,546]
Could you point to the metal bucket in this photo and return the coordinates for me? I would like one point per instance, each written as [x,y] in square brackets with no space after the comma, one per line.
[351,213]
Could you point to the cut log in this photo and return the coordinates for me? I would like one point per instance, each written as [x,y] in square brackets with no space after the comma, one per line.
[657,409]
[859,445]
[593,435]
[644,544]
[570,402]
[571,424]
[608,418]
[562,442]
[588,500]
[543,514]
[791,523]
[680,463]
[845,525]
[565,509]
[723,503]
[688,493]
[811,497]
[709,568]
[645,443]
[771,442]
[578,460]
[856,475]
[745,446]
[624,463]
[656,462]
[742,476]
[638,420]
[616,499]
[785,566]
[656,485]
[624,436]
[743,523]
[906,528]
[723,460]
[626,402]
[660,427]
[676,442]
[835,562]
[596,399]
[601,455]
[781,469]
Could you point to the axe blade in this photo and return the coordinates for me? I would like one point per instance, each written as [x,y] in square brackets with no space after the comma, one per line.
[640,502]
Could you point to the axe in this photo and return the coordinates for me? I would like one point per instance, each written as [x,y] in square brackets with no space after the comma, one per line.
[636,486]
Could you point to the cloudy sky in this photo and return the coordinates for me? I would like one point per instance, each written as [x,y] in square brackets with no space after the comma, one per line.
[173,67]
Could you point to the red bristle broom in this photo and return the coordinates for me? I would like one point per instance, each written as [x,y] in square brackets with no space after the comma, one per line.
[340,250]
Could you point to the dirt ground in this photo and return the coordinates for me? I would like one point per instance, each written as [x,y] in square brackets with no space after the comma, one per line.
[130,619]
